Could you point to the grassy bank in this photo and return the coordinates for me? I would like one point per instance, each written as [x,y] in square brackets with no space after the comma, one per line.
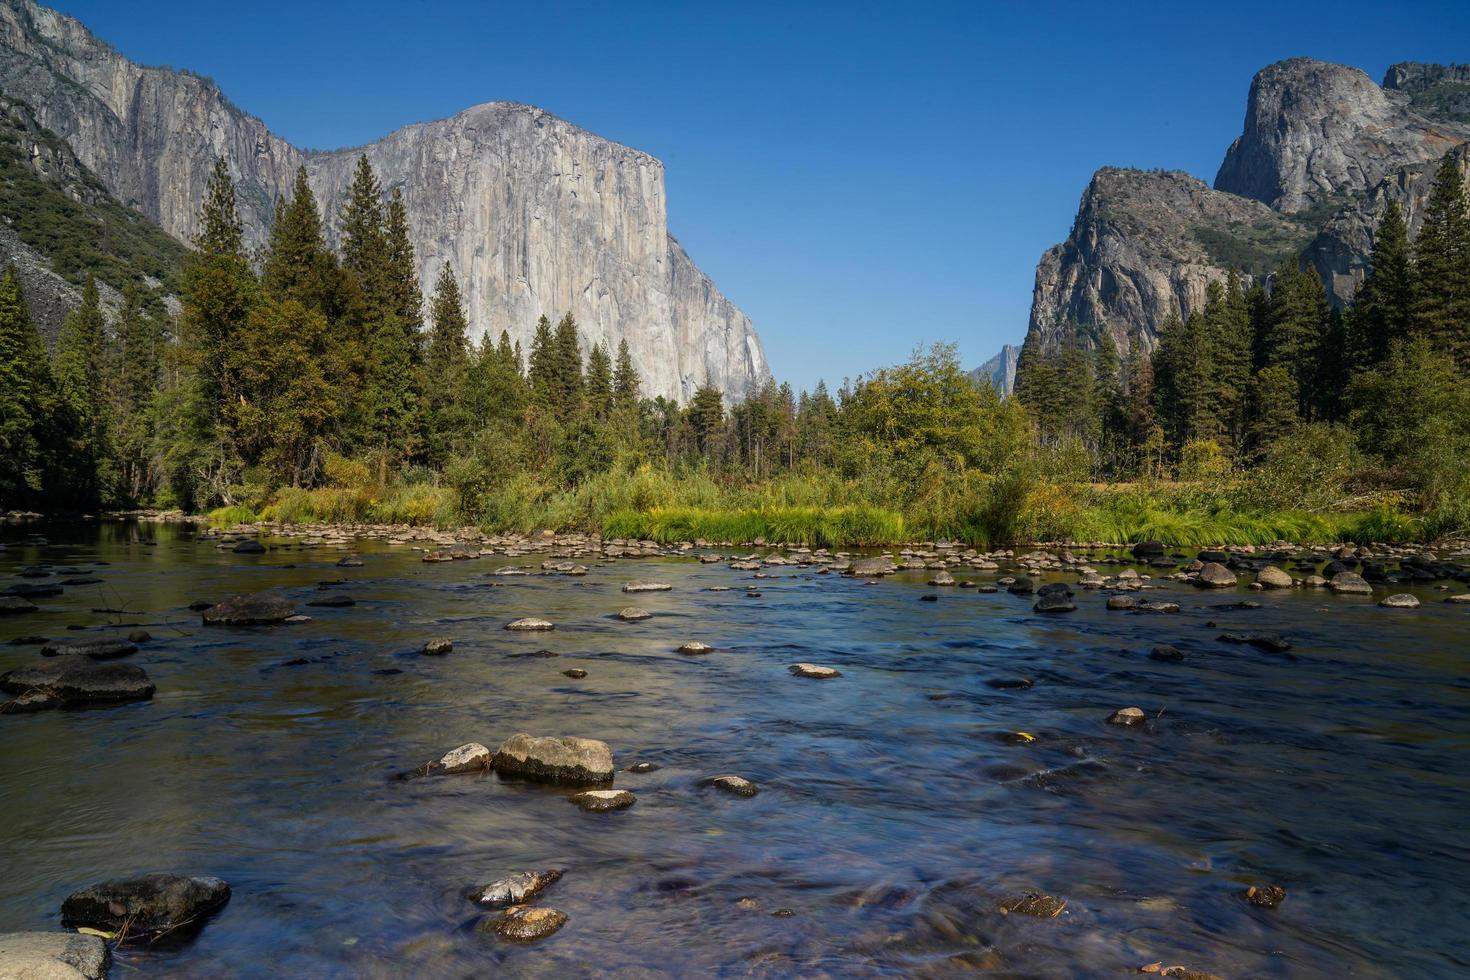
[655,505]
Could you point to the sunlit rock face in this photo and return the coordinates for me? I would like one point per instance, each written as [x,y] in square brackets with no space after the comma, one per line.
[534,215]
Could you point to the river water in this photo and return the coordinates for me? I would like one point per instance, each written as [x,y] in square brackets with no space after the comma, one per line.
[893,817]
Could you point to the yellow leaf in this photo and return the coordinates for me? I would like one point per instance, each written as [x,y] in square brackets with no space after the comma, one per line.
[88,931]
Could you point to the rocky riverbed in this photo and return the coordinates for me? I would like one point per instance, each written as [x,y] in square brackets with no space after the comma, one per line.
[319,751]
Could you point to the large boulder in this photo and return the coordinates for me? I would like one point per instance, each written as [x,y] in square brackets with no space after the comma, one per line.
[72,680]
[154,903]
[556,760]
[1148,550]
[872,567]
[260,609]
[53,956]
[1215,576]
[1272,577]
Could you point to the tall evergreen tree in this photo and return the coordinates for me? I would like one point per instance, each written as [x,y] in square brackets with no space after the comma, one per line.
[138,350]
[26,398]
[446,367]
[1384,309]
[82,384]
[1273,409]
[1442,261]
[298,265]
[403,278]
[626,382]
[599,383]
[1298,323]
[706,416]
[542,367]
[567,359]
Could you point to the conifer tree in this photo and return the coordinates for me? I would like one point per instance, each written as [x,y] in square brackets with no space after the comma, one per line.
[1227,313]
[567,359]
[1274,409]
[1385,307]
[298,265]
[82,384]
[26,398]
[403,278]
[1298,323]
[1442,264]
[706,417]
[446,367]
[138,349]
[542,367]
[599,383]
[626,382]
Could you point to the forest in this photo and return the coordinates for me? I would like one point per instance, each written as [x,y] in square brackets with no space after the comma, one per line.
[307,383]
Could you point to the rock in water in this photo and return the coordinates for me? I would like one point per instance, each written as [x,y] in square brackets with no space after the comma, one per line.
[814,671]
[602,800]
[1265,896]
[74,680]
[515,889]
[555,760]
[942,579]
[14,605]
[438,646]
[1127,716]
[525,923]
[151,904]
[575,673]
[1272,577]
[338,601]
[1122,603]
[530,625]
[872,567]
[633,614]
[1400,601]
[260,609]
[694,648]
[647,587]
[734,785]
[1167,653]
[1349,583]
[1054,602]
[469,757]
[349,561]
[1215,576]
[53,956]
[249,548]
[1037,904]
[101,649]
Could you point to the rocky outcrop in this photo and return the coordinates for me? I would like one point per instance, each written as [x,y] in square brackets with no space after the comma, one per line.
[534,215]
[1438,92]
[1315,132]
[1147,244]
[1000,371]
[1342,248]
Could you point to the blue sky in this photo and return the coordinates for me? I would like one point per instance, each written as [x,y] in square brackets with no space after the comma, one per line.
[859,177]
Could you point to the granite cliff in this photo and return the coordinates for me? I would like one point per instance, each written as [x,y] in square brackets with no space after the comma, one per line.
[533,214]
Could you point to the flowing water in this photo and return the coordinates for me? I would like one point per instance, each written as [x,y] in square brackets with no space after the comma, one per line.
[891,818]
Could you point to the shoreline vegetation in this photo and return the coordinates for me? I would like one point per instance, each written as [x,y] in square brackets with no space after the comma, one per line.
[306,385]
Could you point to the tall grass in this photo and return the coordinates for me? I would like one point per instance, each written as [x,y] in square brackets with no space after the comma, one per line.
[232,515]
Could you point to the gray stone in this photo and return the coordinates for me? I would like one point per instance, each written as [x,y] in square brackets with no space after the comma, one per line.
[75,680]
[602,800]
[694,648]
[515,889]
[260,609]
[647,587]
[734,785]
[469,757]
[1036,904]
[872,567]
[150,904]
[1349,583]
[14,605]
[814,671]
[52,956]
[97,649]
[559,760]
[1127,716]
[438,646]
[1215,576]
[633,614]
[530,625]
[1401,600]
[1272,577]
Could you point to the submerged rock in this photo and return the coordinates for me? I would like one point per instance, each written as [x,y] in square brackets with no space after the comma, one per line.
[69,681]
[249,548]
[633,614]
[1166,653]
[694,648]
[647,587]
[53,956]
[557,760]
[99,649]
[942,579]
[153,903]
[525,923]
[1009,683]
[438,646]
[602,800]
[515,889]
[1400,601]
[260,609]
[1054,602]
[1037,904]
[575,673]
[814,671]
[1265,896]
[530,625]
[1263,641]
[734,785]
[338,601]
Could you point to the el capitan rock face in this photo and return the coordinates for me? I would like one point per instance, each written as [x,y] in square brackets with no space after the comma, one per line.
[533,214]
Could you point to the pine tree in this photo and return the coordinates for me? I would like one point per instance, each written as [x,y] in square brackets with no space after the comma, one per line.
[364,240]
[1385,307]
[599,383]
[1273,412]
[298,265]
[138,350]
[1298,323]
[567,359]
[706,416]
[1227,312]
[403,278]
[543,367]
[1442,264]
[626,382]
[446,366]
[82,384]
[26,397]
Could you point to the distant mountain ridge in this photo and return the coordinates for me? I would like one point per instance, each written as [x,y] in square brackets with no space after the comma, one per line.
[1322,151]
[1000,371]
[534,215]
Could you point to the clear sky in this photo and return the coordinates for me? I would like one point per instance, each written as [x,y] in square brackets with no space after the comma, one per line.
[857,176]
